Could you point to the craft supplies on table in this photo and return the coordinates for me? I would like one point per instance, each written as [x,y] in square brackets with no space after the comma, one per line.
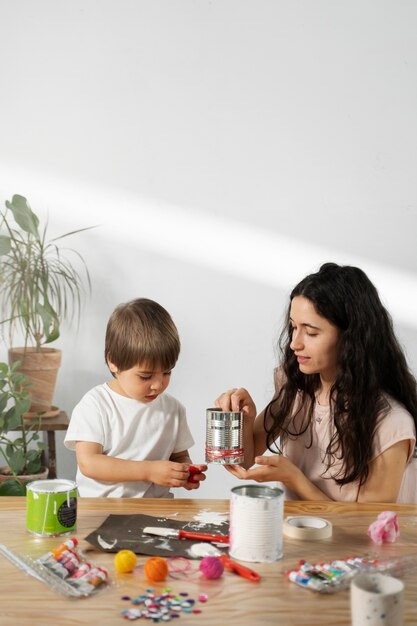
[162,607]
[192,471]
[307,527]
[125,561]
[62,569]
[385,529]
[185,534]
[119,532]
[51,507]
[200,550]
[156,569]
[256,517]
[338,574]
[239,569]
[376,599]
[328,577]
[211,567]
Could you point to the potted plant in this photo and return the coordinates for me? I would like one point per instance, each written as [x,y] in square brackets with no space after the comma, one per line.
[39,288]
[21,455]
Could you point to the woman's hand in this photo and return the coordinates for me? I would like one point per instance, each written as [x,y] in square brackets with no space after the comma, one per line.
[271,468]
[236,399]
[239,399]
[280,468]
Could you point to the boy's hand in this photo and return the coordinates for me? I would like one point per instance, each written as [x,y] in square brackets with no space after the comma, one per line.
[167,473]
[195,476]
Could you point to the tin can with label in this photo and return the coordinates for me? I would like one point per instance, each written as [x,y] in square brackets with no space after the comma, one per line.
[256,523]
[51,507]
[224,437]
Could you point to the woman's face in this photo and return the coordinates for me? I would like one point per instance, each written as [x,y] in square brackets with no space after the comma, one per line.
[314,340]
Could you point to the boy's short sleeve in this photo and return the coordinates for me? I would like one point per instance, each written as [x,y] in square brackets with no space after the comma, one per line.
[85,424]
[184,439]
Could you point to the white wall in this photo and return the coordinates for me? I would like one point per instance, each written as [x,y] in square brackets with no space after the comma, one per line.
[226,148]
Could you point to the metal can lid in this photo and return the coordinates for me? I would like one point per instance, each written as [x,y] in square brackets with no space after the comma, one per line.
[56,485]
[258,491]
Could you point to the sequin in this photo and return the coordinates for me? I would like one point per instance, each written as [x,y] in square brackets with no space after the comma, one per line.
[161,608]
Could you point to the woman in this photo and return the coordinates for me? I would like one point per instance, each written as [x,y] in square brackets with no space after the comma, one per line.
[344,416]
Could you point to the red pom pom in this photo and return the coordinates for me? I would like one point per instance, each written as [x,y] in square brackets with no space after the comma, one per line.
[211,567]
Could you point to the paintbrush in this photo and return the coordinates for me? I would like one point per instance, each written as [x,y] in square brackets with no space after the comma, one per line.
[185,534]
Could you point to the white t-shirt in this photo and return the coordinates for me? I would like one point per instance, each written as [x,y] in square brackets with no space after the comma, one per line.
[128,429]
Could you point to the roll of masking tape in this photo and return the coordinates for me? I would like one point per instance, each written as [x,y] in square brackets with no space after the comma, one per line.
[306,527]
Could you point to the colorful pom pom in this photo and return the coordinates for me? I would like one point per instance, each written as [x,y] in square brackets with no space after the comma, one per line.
[156,569]
[192,471]
[385,528]
[125,561]
[211,567]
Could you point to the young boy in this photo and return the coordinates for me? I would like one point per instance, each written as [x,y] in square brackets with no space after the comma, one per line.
[131,439]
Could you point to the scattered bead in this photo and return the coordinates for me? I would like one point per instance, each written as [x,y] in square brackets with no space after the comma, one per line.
[131,614]
[161,608]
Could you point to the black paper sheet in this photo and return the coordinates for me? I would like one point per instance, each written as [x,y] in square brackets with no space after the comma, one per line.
[125,532]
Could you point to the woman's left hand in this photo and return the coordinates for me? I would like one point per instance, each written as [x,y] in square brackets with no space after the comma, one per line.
[270,468]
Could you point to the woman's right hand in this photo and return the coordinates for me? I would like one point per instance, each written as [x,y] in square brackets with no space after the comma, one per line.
[236,399]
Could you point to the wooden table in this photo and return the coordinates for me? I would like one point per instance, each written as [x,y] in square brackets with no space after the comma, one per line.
[232,599]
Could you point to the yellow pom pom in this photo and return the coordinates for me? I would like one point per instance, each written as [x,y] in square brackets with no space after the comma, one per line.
[156,569]
[125,561]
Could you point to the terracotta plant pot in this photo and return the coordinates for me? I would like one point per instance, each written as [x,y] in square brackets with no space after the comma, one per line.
[41,370]
[5,475]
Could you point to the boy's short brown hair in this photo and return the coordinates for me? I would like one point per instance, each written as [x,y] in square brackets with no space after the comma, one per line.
[141,332]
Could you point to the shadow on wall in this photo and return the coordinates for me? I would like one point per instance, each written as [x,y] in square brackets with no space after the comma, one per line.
[218,242]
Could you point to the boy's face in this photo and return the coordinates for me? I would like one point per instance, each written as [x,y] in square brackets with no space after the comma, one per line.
[139,382]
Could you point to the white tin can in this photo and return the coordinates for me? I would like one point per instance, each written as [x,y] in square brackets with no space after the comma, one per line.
[256,523]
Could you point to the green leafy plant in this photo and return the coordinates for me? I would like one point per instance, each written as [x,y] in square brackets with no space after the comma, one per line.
[39,286]
[22,455]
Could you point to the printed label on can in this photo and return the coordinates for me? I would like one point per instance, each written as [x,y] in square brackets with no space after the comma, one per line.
[51,507]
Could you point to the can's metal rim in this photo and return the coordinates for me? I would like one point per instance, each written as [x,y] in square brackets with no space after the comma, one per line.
[215,411]
[258,491]
[57,485]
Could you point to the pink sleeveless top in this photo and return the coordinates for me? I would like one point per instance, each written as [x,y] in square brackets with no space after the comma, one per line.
[396,426]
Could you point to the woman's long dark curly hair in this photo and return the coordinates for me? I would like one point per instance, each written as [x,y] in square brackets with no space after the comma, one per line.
[371,364]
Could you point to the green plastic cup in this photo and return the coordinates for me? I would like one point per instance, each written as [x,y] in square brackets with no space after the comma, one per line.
[51,507]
